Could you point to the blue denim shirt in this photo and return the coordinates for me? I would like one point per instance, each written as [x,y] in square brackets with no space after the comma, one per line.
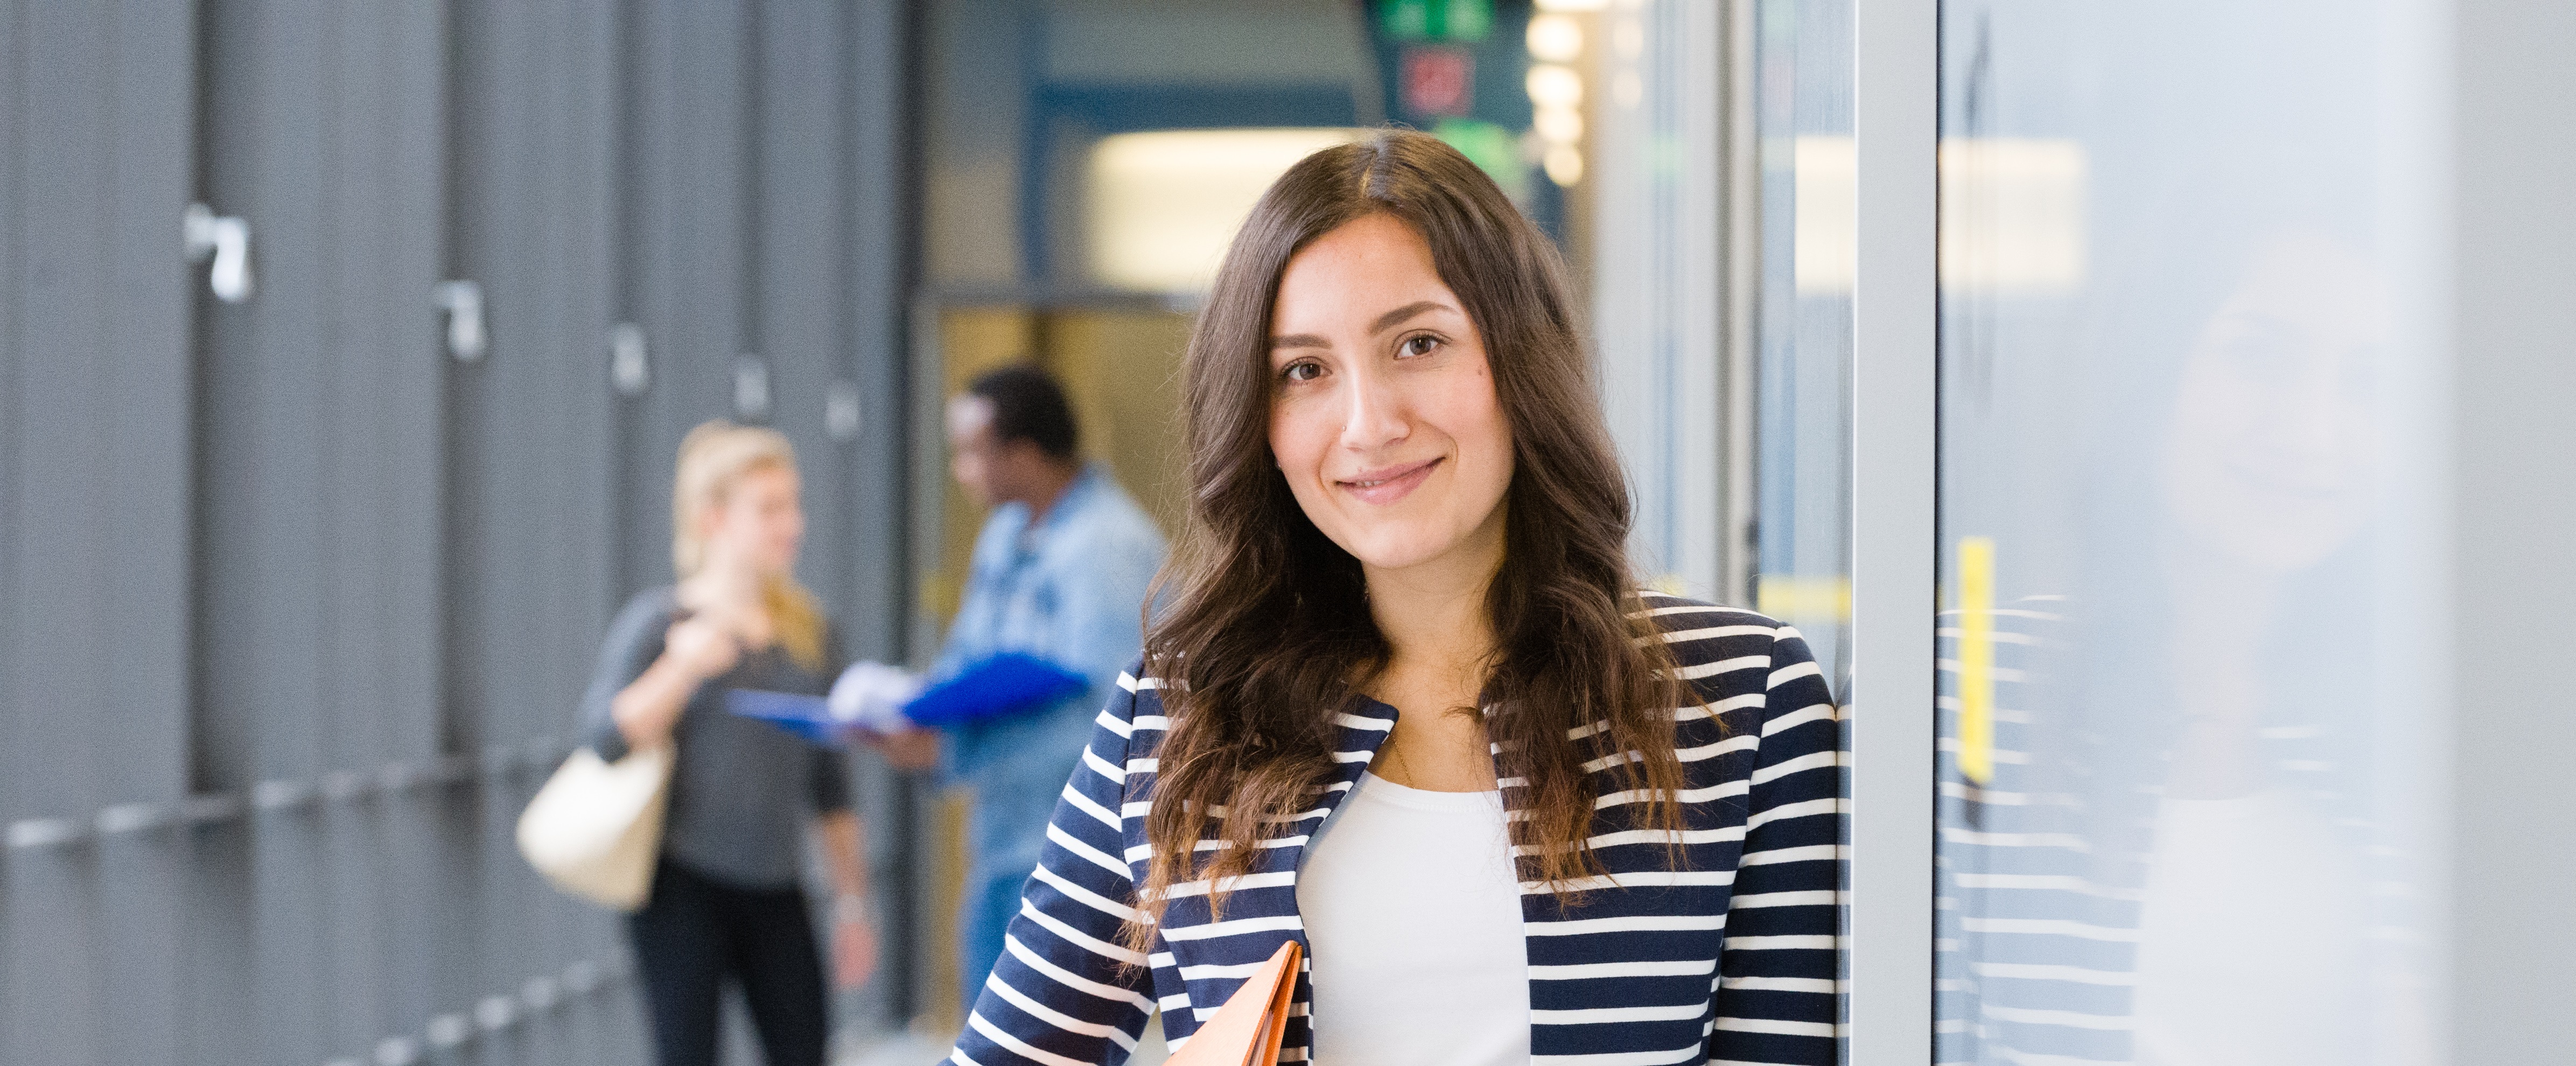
[1070,589]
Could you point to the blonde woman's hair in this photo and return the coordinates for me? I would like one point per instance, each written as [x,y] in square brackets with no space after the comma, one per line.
[713,459]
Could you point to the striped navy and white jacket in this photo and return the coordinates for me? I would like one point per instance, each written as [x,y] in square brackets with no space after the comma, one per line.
[1731,958]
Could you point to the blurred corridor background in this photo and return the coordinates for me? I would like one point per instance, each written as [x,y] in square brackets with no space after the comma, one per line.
[315,520]
[345,350]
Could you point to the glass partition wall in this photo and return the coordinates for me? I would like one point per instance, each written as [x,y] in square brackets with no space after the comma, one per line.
[2125,401]
[2182,795]
[1802,244]
[1715,217]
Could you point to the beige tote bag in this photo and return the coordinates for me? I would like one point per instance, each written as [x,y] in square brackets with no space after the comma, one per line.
[595,829]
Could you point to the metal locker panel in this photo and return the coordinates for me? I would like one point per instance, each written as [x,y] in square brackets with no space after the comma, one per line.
[353,920]
[507,897]
[881,242]
[313,470]
[403,824]
[884,242]
[799,323]
[804,110]
[94,402]
[142,880]
[532,218]
[148,442]
[49,989]
[395,61]
[291,988]
[531,537]
[688,188]
[319,412]
[455,907]
[218,1019]
[386,248]
[318,472]
[96,418]
[13,76]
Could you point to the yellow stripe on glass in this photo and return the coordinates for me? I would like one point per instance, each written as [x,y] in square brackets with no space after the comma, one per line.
[1977,658]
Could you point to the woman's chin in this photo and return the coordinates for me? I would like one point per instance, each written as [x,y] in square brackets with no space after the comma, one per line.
[1403,551]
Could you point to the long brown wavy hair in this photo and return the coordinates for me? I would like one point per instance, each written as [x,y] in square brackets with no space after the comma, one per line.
[1267,633]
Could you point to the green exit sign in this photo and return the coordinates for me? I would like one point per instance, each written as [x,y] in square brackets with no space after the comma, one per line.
[1436,20]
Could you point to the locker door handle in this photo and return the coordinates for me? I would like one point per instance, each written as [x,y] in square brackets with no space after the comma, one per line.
[841,412]
[750,388]
[226,238]
[628,371]
[463,302]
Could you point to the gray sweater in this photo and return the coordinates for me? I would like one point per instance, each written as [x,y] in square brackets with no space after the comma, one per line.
[742,791]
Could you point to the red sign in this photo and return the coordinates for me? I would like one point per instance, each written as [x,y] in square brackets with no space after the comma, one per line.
[1439,81]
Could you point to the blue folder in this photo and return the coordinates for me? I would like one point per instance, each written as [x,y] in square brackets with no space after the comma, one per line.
[993,687]
[996,686]
[806,716]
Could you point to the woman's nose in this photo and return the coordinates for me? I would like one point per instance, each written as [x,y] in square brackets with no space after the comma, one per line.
[1372,413]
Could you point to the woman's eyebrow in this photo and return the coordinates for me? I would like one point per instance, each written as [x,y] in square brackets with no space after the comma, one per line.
[1384,322]
[1397,317]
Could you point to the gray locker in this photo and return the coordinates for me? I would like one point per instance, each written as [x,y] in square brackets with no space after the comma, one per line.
[96,393]
[315,500]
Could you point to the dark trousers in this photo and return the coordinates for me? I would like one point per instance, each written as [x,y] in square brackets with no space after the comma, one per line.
[697,932]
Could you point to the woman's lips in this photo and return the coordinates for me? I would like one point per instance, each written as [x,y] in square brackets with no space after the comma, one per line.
[1382,487]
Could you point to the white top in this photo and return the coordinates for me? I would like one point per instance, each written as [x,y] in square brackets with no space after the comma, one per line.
[1414,915]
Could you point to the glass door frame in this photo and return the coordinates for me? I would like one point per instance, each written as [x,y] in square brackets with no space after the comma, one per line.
[1888,928]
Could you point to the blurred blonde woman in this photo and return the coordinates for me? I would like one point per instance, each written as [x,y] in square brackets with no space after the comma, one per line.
[727,901]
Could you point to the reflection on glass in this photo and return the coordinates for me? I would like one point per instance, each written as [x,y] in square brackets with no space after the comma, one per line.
[2259,849]
[2181,796]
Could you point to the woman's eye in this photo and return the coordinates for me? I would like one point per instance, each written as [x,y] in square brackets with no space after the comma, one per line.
[1301,372]
[1420,345]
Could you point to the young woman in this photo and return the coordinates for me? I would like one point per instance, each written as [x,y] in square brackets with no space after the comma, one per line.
[726,901]
[1407,706]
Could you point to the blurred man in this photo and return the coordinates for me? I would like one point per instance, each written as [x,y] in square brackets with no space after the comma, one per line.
[1060,573]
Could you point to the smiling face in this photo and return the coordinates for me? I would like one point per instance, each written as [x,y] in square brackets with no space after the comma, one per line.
[1383,415]
[2277,445]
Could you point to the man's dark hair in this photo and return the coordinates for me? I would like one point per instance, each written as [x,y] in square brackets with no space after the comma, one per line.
[1029,405]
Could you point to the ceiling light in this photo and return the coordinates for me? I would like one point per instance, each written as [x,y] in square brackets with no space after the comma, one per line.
[1165,204]
[1564,164]
[1554,86]
[1560,125]
[1555,38]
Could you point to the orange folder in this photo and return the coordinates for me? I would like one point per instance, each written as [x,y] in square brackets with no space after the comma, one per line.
[1248,1029]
